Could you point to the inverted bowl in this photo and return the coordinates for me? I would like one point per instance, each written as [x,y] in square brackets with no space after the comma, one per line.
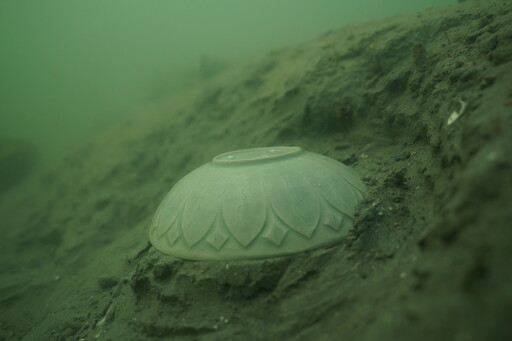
[257,203]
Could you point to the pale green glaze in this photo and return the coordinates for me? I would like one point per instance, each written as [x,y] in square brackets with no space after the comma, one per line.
[257,203]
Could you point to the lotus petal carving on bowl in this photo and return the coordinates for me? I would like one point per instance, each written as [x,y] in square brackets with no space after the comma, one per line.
[257,203]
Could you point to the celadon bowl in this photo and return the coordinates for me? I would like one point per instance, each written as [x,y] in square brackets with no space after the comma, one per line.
[257,203]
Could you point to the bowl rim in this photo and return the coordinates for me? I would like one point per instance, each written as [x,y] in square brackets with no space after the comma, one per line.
[245,156]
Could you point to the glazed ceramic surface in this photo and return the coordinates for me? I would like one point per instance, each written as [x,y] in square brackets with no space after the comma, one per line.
[257,203]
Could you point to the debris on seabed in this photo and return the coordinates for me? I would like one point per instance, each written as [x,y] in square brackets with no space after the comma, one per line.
[456,114]
[109,315]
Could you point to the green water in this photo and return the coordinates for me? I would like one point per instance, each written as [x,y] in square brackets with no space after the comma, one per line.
[68,69]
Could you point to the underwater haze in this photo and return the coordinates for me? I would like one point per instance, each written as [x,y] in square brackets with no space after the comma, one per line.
[68,69]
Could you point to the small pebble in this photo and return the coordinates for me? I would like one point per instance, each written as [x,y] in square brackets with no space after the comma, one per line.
[107,281]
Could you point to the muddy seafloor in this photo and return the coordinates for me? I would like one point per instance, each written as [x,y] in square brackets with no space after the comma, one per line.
[429,257]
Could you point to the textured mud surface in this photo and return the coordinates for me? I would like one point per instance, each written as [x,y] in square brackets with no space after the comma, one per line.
[420,106]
